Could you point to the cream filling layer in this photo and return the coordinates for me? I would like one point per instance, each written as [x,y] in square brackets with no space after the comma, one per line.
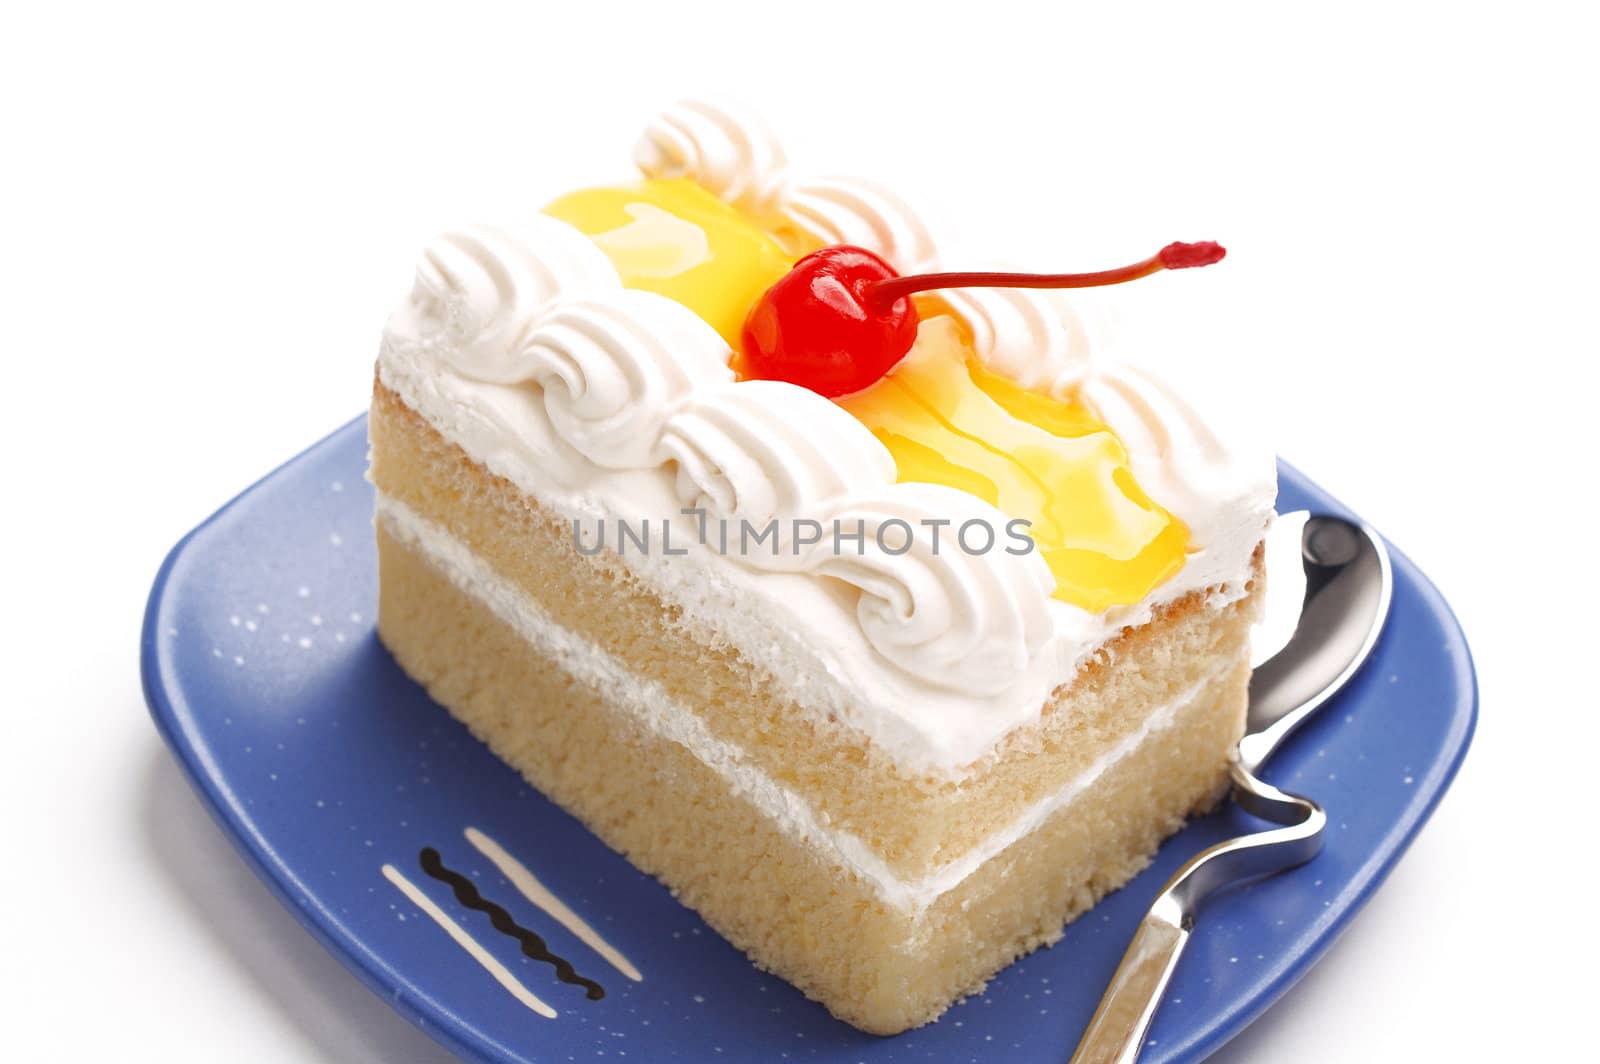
[659,713]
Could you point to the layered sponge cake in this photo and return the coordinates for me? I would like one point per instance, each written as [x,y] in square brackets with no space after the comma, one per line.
[887,682]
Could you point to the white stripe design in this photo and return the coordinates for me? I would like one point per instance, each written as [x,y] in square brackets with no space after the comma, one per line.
[655,709]
[464,939]
[536,892]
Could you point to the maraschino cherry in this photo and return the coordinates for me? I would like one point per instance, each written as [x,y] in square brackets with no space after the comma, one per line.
[842,317]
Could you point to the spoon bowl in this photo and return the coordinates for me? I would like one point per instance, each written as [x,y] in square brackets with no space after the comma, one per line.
[1348,585]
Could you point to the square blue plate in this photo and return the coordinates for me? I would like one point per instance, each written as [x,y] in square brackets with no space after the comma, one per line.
[324,762]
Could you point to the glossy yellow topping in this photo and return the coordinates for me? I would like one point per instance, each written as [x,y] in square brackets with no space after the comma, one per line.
[678,240]
[947,420]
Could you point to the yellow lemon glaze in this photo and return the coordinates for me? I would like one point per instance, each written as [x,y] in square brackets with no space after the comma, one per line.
[947,420]
[678,240]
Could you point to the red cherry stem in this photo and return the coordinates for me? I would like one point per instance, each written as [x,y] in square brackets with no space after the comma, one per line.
[1177,256]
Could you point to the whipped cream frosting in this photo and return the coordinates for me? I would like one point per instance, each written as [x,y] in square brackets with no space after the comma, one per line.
[520,345]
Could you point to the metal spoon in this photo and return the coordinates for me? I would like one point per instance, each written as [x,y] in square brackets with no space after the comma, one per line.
[1347,591]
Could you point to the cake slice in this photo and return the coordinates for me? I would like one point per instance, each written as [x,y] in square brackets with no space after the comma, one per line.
[889,685]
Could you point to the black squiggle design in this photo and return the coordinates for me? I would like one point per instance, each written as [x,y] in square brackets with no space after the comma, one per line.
[467,894]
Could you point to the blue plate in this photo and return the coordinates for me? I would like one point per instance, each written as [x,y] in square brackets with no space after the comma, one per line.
[325,763]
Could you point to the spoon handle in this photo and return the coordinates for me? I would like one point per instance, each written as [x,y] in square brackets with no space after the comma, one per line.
[1117,1032]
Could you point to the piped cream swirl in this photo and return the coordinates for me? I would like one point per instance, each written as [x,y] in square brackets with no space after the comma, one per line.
[1030,336]
[764,450]
[1213,485]
[730,154]
[477,289]
[616,369]
[845,210]
[735,157]
[966,621]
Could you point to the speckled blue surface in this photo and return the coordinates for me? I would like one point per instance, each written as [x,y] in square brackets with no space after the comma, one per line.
[323,762]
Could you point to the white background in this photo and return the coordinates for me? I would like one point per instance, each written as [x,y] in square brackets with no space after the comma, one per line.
[207,216]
